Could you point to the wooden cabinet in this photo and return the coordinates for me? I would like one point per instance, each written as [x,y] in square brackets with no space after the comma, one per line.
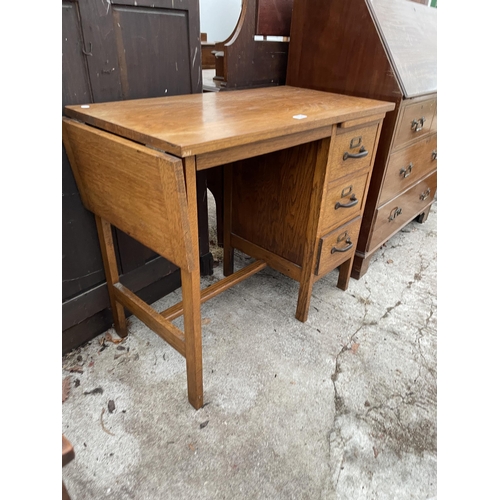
[382,49]
[113,51]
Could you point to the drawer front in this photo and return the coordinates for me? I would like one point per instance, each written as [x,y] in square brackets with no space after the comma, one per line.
[407,166]
[352,151]
[416,122]
[344,200]
[337,246]
[395,214]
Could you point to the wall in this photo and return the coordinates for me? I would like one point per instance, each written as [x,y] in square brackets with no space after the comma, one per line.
[218,18]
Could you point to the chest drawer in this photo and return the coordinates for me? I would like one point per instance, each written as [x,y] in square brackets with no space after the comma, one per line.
[416,122]
[352,150]
[396,213]
[337,246]
[407,166]
[344,200]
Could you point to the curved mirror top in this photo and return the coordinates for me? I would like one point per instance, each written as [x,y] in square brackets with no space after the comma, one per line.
[218,18]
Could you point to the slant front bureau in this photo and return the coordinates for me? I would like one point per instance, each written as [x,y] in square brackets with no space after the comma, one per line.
[381,49]
[297,165]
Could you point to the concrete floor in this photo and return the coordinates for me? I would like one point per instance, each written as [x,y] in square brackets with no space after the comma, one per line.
[341,407]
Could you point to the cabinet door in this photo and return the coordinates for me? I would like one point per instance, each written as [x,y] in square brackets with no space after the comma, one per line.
[114,50]
[81,260]
[140,49]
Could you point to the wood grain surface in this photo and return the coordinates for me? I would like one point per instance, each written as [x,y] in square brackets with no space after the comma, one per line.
[148,203]
[414,54]
[199,123]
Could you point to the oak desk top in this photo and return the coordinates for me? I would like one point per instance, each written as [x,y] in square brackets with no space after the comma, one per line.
[193,124]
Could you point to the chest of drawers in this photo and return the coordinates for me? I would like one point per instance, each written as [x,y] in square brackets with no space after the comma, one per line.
[382,49]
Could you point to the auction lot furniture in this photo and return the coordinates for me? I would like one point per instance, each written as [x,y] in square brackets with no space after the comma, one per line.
[381,49]
[297,164]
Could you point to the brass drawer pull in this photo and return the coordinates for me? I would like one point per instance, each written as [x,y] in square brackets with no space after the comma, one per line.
[405,172]
[425,194]
[434,155]
[418,125]
[362,153]
[348,247]
[353,202]
[394,213]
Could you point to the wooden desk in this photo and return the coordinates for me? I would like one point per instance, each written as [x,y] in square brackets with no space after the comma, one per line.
[297,165]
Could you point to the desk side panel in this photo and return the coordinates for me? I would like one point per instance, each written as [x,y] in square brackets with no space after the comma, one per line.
[271,199]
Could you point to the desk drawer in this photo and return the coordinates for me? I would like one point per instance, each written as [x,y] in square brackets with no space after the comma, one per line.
[392,216]
[352,151]
[337,246]
[344,200]
[407,166]
[416,122]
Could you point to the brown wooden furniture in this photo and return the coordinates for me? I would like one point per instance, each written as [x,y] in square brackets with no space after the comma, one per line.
[68,454]
[242,61]
[382,49]
[297,165]
[207,52]
[113,51]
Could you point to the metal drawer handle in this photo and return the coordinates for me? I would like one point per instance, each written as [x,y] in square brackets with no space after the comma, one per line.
[362,153]
[425,194]
[348,247]
[405,172]
[434,155]
[353,202]
[394,213]
[418,125]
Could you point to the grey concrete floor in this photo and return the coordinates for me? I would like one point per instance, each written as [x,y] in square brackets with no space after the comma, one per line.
[341,407]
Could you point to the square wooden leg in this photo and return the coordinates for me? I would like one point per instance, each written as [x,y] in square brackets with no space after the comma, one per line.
[191,296]
[305,292]
[228,260]
[421,218]
[192,333]
[360,266]
[323,160]
[112,275]
[345,273]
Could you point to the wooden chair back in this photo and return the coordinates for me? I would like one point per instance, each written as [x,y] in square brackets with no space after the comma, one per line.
[243,62]
[138,189]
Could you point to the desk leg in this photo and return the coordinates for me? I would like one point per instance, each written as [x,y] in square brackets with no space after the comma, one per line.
[319,187]
[112,275]
[345,273]
[192,334]
[191,297]
[305,292]
[228,261]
